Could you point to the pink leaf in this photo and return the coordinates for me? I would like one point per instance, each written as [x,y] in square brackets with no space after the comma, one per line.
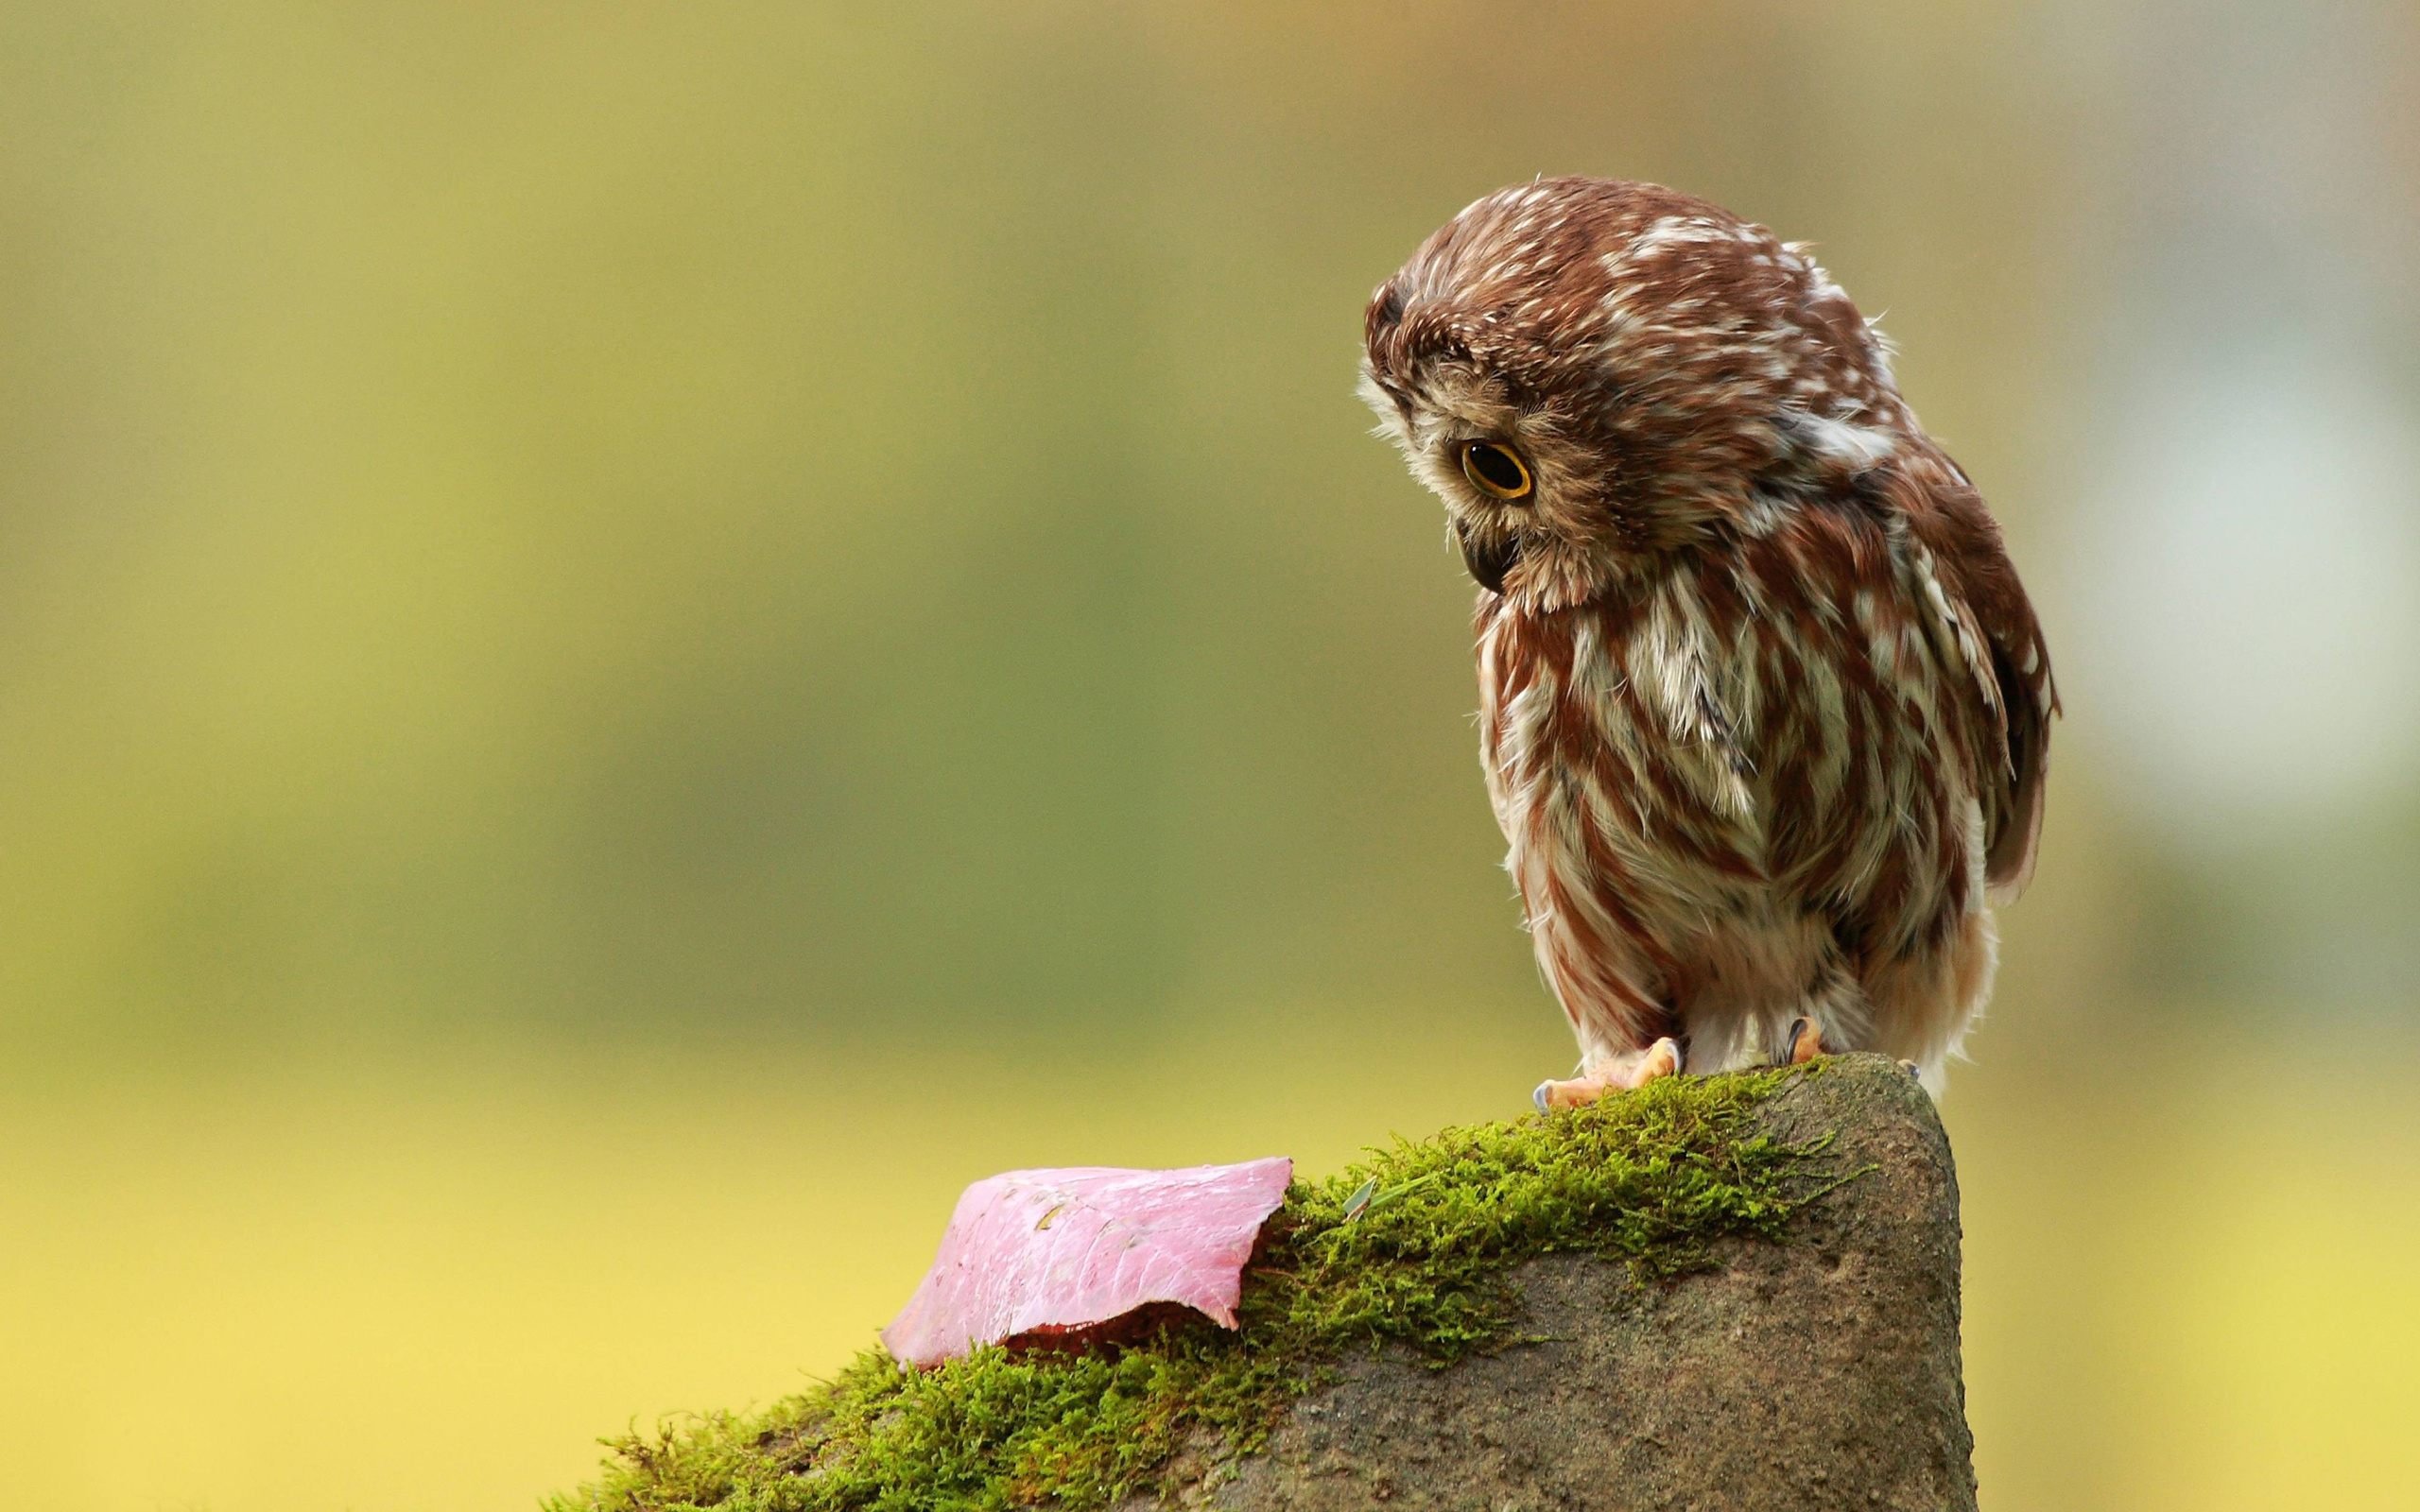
[1048,1251]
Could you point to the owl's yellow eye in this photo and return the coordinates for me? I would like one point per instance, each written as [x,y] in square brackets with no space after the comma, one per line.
[1496,471]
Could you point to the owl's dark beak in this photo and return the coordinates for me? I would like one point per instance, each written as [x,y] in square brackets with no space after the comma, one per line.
[1488,561]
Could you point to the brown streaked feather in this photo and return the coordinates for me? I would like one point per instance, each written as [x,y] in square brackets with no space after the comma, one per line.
[2014,674]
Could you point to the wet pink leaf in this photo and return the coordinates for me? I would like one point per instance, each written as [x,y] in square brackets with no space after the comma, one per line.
[1037,1252]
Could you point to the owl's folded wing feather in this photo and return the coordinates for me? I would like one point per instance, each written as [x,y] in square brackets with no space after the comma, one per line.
[1972,585]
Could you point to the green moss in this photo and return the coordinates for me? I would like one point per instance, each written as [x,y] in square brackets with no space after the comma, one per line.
[1409,1248]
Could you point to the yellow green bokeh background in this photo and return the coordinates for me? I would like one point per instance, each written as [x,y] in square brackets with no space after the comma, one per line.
[636,639]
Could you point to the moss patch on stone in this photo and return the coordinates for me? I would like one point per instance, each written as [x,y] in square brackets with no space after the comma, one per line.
[1412,1247]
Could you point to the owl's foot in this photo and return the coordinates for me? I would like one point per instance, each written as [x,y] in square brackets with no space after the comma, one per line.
[1623,1072]
[1806,1042]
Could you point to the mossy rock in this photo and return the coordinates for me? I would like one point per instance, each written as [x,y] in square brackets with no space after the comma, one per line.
[1725,1291]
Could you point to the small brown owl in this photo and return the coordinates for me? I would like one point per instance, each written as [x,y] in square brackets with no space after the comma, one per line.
[1764,710]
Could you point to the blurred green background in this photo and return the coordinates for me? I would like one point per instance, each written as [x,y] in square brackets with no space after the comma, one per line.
[636,639]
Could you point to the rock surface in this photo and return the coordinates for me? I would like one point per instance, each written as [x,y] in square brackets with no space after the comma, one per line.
[1814,1373]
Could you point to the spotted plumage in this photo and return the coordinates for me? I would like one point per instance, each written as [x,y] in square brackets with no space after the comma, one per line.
[1764,709]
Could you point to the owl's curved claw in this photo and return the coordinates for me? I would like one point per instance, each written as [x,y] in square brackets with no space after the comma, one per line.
[1806,1042]
[1623,1072]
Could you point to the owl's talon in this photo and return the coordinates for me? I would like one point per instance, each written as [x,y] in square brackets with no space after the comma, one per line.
[1663,1059]
[1623,1072]
[1805,1041]
[1790,1043]
[1912,1069]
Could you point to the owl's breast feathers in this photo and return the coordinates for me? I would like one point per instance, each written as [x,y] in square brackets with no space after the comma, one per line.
[1823,734]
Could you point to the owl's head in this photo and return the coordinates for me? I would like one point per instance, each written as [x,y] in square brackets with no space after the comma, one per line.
[1591,373]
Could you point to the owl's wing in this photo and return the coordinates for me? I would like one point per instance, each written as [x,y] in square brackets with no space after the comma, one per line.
[1972,587]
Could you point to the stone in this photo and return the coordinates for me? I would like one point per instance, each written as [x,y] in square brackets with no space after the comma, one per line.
[1821,1371]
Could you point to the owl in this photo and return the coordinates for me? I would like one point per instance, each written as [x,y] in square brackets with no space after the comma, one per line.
[1764,710]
